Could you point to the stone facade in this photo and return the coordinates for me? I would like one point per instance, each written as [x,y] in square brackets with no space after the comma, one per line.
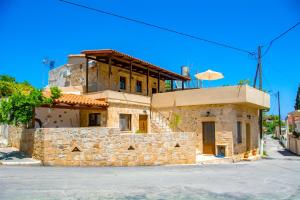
[294,144]
[104,147]
[28,141]
[57,118]
[73,74]
[225,118]
[114,110]
[84,117]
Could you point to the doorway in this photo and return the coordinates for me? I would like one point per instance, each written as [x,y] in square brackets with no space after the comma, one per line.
[248,137]
[143,125]
[208,130]
[154,90]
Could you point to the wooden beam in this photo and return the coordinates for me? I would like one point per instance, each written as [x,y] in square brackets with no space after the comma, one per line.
[158,84]
[130,77]
[147,80]
[138,66]
[74,107]
[87,75]
[109,72]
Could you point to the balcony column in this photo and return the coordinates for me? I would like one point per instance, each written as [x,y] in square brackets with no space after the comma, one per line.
[147,80]
[87,75]
[182,83]
[130,77]
[158,84]
[172,85]
[109,72]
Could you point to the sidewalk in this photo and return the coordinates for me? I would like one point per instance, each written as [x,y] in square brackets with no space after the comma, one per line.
[12,156]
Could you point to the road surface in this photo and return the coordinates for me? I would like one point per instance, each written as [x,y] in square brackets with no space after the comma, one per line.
[277,177]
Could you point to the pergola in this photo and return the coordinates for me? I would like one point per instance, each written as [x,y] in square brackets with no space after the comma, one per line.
[124,61]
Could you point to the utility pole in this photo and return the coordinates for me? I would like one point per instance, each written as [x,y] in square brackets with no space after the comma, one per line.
[279,114]
[259,74]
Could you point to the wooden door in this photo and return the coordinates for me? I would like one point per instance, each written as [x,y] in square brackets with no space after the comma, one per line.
[208,130]
[248,137]
[143,125]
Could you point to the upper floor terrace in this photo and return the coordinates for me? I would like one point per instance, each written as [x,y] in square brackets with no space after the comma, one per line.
[100,70]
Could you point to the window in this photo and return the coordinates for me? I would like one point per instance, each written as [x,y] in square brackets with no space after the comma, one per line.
[94,119]
[122,83]
[138,86]
[239,132]
[125,122]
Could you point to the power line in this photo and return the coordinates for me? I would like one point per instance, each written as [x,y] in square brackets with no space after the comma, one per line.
[279,36]
[160,27]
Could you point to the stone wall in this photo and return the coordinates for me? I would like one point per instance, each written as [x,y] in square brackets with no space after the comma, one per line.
[84,117]
[114,110]
[29,141]
[57,117]
[294,144]
[106,147]
[225,118]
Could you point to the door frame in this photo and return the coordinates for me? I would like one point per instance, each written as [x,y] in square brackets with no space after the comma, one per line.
[214,136]
[248,136]
[146,120]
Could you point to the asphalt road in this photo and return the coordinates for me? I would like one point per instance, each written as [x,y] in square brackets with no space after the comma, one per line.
[277,177]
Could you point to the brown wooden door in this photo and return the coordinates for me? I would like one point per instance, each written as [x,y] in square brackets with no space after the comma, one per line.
[248,137]
[143,125]
[208,130]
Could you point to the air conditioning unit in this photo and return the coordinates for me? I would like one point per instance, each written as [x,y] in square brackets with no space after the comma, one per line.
[92,63]
[66,73]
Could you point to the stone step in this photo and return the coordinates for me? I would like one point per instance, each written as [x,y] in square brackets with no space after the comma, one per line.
[202,159]
[3,143]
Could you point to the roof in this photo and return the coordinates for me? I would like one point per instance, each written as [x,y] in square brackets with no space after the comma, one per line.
[114,53]
[295,113]
[80,100]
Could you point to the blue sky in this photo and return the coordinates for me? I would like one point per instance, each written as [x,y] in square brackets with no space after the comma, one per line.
[31,30]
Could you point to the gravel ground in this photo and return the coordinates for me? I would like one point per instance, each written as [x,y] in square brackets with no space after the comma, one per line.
[277,177]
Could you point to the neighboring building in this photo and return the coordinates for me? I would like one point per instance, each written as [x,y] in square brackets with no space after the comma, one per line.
[111,89]
[293,142]
[294,119]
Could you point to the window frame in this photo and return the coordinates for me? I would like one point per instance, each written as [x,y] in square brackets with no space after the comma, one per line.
[141,86]
[129,122]
[97,120]
[121,83]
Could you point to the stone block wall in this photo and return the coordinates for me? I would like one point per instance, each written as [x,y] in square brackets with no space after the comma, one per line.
[29,141]
[106,147]
[84,117]
[115,109]
[225,118]
[294,144]
[57,117]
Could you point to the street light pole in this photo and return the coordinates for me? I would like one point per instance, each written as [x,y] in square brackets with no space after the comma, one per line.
[259,74]
[279,113]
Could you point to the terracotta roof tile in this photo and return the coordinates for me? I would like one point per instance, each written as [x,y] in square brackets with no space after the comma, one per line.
[78,100]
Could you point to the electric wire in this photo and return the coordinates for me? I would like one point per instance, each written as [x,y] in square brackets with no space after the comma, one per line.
[161,28]
[278,37]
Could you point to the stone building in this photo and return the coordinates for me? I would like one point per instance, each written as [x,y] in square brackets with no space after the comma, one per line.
[107,88]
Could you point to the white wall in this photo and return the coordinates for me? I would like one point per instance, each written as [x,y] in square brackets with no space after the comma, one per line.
[57,118]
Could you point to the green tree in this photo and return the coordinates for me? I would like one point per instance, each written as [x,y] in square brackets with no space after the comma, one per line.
[297,104]
[7,78]
[19,100]
[270,122]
